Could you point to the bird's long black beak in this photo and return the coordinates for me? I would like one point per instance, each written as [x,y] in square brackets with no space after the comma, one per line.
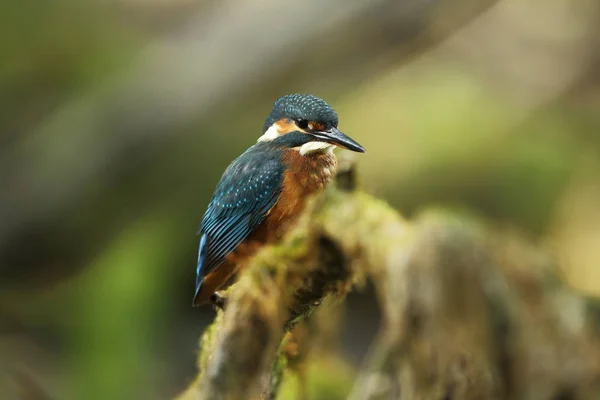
[336,137]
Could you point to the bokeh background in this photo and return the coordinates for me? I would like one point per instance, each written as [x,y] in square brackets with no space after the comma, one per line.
[117,118]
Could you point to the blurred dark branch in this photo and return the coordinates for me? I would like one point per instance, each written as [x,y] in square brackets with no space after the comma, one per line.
[224,56]
[467,314]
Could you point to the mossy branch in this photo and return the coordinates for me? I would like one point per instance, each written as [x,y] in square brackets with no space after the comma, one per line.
[467,314]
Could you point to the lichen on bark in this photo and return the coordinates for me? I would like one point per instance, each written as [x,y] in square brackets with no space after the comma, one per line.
[468,312]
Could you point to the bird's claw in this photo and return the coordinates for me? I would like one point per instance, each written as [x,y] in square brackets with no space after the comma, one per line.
[218,301]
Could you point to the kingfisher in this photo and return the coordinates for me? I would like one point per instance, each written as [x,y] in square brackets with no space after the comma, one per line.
[263,192]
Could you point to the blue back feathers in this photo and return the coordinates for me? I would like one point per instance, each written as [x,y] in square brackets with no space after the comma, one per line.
[248,189]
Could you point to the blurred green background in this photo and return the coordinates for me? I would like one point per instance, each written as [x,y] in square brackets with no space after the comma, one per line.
[117,118]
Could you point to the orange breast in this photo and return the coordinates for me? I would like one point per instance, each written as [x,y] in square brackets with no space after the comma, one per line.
[305,176]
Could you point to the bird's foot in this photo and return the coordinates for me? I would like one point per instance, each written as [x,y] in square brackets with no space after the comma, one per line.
[218,301]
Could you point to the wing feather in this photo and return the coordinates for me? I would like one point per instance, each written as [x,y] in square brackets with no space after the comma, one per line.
[246,192]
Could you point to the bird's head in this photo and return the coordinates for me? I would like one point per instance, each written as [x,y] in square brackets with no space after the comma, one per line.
[306,123]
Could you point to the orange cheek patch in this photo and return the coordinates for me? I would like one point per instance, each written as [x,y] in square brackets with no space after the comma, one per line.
[286,126]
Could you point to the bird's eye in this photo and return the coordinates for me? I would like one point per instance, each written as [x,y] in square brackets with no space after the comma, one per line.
[302,123]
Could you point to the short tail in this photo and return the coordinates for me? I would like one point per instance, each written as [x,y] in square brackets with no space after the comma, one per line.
[199,274]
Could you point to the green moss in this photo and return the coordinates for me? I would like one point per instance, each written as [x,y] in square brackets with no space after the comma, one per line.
[206,341]
[327,378]
[288,265]
[279,369]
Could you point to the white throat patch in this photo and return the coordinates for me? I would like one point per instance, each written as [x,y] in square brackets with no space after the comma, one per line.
[271,134]
[315,147]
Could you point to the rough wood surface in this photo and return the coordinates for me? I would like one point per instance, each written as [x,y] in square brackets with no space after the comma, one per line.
[467,314]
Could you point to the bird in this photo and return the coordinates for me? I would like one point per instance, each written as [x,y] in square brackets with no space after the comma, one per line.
[262,193]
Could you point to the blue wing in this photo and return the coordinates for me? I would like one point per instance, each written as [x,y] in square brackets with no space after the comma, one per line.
[247,190]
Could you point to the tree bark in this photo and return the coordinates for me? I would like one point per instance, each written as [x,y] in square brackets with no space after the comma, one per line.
[467,314]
